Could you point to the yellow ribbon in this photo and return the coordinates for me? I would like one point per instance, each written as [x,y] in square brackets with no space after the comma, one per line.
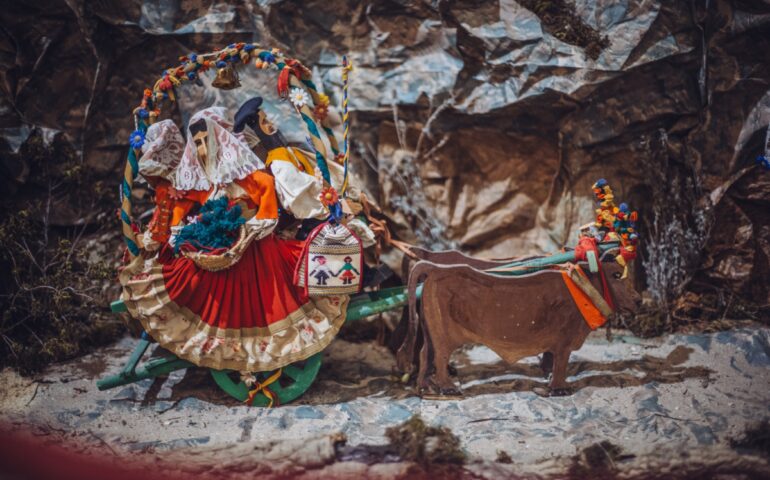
[262,387]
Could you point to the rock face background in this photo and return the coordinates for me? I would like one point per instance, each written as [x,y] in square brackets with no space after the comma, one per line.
[476,124]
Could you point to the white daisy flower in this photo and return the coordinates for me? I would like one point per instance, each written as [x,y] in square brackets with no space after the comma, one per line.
[298,97]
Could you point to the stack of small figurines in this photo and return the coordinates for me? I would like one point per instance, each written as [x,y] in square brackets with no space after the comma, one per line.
[614,223]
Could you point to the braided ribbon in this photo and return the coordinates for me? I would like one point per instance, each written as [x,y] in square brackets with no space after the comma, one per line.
[129,175]
[347,67]
[262,387]
[290,73]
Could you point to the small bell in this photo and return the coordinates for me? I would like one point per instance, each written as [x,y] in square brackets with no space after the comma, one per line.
[227,78]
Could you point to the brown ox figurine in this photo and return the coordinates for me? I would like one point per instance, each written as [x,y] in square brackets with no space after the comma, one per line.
[406,337]
[515,316]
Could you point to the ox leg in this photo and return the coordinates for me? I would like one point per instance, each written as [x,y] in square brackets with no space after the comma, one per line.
[446,386]
[405,355]
[558,383]
[546,363]
[422,370]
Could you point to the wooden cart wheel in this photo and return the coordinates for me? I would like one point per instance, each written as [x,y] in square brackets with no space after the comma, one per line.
[293,382]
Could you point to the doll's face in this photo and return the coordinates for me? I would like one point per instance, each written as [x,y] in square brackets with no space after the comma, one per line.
[265,125]
[200,145]
[199,132]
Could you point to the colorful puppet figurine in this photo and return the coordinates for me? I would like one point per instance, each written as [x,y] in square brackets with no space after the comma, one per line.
[296,185]
[625,228]
[606,212]
[348,272]
[161,153]
[321,272]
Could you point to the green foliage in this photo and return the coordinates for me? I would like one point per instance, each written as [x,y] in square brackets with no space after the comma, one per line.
[55,285]
[425,445]
[217,227]
[598,460]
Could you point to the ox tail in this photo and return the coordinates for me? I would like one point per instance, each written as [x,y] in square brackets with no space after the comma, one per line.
[405,357]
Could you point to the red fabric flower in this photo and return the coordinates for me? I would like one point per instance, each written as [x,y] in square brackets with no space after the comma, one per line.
[321,111]
[165,84]
[329,196]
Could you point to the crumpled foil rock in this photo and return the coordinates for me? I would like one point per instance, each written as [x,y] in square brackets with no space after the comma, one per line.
[475,124]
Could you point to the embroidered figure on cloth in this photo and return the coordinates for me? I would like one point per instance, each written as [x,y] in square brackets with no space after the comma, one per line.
[321,272]
[348,272]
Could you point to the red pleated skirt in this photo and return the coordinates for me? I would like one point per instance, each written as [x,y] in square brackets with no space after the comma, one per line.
[255,292]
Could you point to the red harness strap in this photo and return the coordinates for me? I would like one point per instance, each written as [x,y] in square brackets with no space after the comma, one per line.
[586,244]
[606,288]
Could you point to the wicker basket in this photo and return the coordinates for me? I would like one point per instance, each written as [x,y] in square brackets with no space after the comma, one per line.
[224,260]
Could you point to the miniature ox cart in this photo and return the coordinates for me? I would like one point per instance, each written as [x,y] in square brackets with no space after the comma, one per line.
[282,385]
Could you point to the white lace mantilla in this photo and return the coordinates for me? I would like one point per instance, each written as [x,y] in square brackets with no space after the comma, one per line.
[229,158]
[161,151]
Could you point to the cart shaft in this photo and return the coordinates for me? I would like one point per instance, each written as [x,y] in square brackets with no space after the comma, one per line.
[153,368]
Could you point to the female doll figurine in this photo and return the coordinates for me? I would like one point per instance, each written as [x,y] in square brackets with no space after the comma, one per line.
[346,273]
[161,153]
[248,317]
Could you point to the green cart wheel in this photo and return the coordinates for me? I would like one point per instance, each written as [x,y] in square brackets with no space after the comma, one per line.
[295,379]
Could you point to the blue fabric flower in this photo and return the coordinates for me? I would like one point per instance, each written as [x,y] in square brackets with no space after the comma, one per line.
[267,57]
[193,57]
[221,64]
[764,161]
[143,113]
[136,139]
[191,75]
[248,47]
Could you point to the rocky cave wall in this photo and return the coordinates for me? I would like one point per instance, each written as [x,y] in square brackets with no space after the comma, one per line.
[475,124]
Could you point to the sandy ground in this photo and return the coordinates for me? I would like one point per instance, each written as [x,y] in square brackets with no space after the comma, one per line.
[682,397]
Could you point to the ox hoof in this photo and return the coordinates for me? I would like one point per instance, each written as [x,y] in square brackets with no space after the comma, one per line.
[553,392]
[451,393]
[561,392]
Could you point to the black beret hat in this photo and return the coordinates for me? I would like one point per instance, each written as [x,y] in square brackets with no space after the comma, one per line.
[248,110]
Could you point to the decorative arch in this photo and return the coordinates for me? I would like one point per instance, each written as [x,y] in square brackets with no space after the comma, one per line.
[291,74]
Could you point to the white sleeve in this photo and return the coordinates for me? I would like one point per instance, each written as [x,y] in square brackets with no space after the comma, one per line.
[263,226]
[298,192]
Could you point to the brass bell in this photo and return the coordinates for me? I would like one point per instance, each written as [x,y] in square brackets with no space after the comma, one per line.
[227,78]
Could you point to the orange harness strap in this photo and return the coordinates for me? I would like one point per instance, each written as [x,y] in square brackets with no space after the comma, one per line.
[587,306]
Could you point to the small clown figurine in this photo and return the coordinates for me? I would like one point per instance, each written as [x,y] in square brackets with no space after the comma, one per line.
[625,228]
[605,214]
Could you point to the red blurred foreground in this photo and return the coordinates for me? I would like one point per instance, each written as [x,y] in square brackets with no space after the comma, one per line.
[27,457]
